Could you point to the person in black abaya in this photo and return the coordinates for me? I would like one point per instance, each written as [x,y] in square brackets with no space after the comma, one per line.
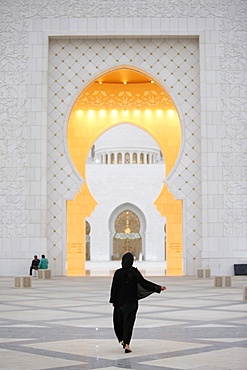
[128,286]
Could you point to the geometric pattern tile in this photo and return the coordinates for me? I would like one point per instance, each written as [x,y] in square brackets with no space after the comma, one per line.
[192,325]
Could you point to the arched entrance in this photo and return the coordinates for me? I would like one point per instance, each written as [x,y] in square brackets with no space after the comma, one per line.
[127,226]
[127,235]
[87,122]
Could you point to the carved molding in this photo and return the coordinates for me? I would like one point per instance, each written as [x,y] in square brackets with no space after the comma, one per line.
[13,135]
[101,99]
[125,8]
[233,38]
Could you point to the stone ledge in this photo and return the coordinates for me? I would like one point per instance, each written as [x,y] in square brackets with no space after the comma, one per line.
[222,281]
[44,274]
[204,273]
[245,293]
[23,281]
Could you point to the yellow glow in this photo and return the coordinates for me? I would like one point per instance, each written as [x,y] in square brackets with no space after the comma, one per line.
[81,207]
[171,112]
[172,209]
[79,112]
[152,82]
[165,128]
[114,113]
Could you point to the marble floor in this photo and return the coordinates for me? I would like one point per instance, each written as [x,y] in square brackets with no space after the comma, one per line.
[66,323]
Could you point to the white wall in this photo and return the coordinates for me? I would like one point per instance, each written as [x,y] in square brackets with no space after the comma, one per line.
[116,185]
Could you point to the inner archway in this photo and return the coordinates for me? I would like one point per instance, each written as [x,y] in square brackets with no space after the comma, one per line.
[127,235]
[119,95]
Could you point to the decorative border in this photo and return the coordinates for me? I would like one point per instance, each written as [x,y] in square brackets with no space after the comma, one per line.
[174,62]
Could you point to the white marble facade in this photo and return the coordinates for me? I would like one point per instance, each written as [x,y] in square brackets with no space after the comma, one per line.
[118,187]
[215,218]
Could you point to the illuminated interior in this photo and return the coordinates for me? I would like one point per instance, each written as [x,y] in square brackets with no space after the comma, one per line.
[122,95]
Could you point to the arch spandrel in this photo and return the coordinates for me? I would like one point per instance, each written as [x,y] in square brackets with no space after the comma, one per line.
[77,210]
[168,206]
[86,126]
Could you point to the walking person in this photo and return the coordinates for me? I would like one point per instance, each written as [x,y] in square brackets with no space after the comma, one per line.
[128,286]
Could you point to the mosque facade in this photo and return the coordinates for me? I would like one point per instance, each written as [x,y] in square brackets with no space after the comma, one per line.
[123,126]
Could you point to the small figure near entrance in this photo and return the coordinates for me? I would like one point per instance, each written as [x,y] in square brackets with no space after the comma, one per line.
[43,264]
[128,286]
[34,264]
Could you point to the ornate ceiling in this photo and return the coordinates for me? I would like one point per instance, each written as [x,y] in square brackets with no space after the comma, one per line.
[124,89]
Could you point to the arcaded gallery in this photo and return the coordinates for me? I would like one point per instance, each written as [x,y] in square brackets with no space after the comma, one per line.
[123,133]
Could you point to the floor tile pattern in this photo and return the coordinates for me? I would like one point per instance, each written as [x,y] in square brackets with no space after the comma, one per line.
[66,324]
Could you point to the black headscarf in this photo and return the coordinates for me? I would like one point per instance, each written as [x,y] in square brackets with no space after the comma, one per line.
[127,262]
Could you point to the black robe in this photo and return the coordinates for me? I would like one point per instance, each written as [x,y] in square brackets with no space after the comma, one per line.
[128,286]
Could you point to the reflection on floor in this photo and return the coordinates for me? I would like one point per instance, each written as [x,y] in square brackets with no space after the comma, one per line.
[66,323]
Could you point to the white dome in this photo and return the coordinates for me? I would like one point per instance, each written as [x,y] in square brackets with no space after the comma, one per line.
[125,136]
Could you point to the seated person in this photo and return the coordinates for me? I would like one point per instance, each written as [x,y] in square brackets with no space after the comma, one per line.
[43,264]
[34,265]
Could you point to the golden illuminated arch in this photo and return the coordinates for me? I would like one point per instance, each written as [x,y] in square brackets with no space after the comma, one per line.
[122,95]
